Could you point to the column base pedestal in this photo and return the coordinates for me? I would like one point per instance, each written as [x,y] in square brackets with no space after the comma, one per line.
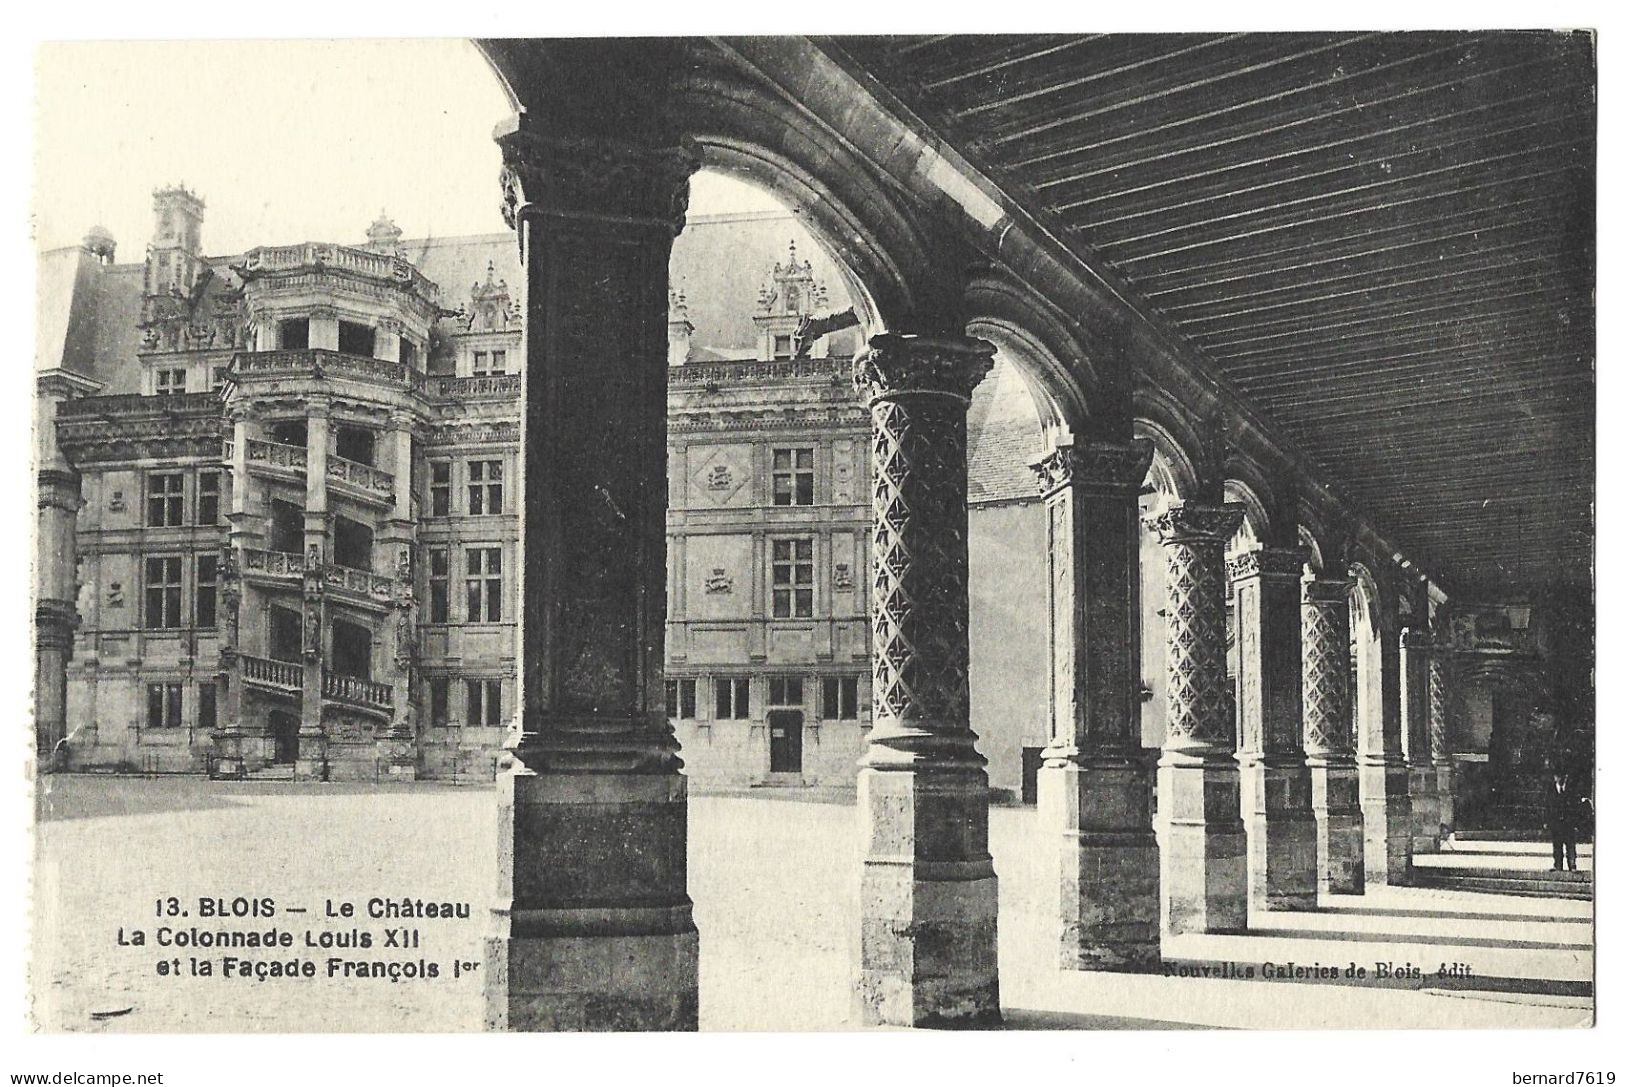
[594,930]
[1110,897]
[928,901]
[1385,803]
[397,758]
[1424,790]
[1281,832]
[1334,783]
[593,983]
[311,762]
[1445,771]
[1203,842]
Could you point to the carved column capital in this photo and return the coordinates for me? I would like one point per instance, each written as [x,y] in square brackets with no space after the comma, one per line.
[1327,590]
[895,365]
[601,177]
[1189,522]
[1267,562]
[1097,466]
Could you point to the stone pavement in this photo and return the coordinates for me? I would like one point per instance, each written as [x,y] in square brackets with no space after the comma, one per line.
[774,882]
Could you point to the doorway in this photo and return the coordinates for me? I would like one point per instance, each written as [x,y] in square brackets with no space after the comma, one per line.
[284,739]
[784,741]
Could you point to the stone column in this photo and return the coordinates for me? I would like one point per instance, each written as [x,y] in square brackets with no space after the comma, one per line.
[1423,781]
[312,758]
[244,532]
[395,543]
[56,613]
[1439,726]
[1204,845]
[228,731]
[1094,789]
[1385,800]
[593,927]
[1275,780]
[928,895]
[1328,738]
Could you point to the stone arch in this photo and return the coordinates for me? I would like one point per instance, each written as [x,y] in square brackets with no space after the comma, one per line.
[1327,546]
[1047,353]
[1258,526]
[1177,439]
[1313,556]
[751,131]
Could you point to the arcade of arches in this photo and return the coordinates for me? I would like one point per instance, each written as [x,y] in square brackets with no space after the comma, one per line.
[1310,672]
[1310,676]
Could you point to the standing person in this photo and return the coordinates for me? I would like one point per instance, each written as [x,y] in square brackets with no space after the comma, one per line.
[1563,815]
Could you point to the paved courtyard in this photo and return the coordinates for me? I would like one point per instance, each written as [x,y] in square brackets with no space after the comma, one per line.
[774,888]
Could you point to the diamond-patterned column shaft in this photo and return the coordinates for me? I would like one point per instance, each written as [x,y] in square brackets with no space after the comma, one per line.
[1439,724]
[1422,779]
[1203,843]
[1328,724]
[1328,737]
[929,899]
[1094,789]
[1385,801]
[1193,539]
[593,816]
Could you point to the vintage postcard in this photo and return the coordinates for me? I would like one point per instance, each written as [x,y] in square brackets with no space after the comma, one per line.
[814,533]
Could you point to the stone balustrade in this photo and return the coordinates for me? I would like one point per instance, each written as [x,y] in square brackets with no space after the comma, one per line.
[283,675]
[736,373]
[276,455]
[273,259]
[274,564]
[313,362]
[362,476]
[482,387]
[379,587]
[357,691]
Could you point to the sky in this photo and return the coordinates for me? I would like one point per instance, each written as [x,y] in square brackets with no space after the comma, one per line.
[285,141]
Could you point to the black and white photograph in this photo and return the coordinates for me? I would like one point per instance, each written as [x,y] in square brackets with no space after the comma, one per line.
[811,533]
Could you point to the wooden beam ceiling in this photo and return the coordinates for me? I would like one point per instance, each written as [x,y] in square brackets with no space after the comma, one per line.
[1385,242]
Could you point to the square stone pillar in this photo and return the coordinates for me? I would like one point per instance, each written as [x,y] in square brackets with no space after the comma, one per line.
[1204,845]
[928,949]
[1094,789]
[1385,801]
[1275,780]
[593,928]
[1422,781]
[1328,738]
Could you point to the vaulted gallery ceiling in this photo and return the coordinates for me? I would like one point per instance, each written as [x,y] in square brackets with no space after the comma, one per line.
[1384,242]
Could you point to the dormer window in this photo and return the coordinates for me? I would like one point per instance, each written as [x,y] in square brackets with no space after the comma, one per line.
[409,352]
[783,347]
[170,382]
[487,363]
[356,339]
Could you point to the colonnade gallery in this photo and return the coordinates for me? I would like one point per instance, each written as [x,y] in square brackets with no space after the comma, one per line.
[1211,468]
